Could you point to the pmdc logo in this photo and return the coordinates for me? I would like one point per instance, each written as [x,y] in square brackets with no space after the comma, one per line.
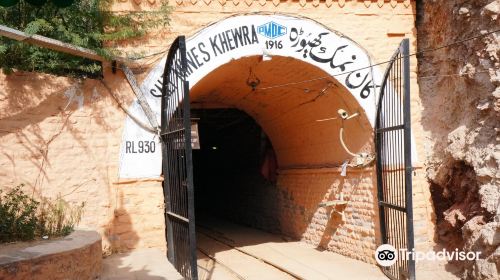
[271,30]
[386,255]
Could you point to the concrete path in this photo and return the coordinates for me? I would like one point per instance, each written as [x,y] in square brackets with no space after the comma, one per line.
[144,264]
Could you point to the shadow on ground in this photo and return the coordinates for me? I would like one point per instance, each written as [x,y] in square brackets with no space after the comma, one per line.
[144,264]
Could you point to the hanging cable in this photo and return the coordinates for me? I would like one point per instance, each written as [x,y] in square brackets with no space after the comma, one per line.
[341,136]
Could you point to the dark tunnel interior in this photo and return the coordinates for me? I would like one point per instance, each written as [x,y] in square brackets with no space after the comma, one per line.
[235,170]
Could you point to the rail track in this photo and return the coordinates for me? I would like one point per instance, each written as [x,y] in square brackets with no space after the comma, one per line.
[233,270]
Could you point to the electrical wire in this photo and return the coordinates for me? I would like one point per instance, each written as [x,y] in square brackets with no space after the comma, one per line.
[341,136]
[458,74]
[154,60]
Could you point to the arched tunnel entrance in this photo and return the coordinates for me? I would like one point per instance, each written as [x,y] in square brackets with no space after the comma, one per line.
[270,156]
[306,172]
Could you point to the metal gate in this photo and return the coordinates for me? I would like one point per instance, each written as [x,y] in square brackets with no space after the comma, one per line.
[393,144]
[178,163]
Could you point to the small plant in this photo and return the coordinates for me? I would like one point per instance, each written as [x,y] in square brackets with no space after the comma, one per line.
[25,218]
[58,218]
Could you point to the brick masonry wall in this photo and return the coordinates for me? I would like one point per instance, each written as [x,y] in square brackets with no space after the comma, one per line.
[351,229]
[69,144]
[137,220]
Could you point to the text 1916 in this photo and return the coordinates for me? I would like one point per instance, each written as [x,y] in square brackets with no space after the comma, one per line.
[274,44]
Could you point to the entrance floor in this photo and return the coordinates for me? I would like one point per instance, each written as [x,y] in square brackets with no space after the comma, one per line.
[230,251]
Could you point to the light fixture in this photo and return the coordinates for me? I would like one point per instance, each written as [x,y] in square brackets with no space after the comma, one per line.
[252,80]
[345,116]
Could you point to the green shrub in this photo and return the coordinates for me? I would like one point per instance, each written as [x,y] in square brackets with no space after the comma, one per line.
[86,23]
[25,218]
[18,215]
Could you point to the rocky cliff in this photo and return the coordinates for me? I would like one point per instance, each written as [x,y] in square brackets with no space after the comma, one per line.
[460,92]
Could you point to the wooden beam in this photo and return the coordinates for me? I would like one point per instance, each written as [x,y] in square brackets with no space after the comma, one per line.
[141,98]
[60,46]
[57,45]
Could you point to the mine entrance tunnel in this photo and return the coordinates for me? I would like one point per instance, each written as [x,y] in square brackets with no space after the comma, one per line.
[307,151]
[270,155]
[291,115]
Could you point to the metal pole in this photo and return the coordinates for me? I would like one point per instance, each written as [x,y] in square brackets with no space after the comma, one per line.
[407,152]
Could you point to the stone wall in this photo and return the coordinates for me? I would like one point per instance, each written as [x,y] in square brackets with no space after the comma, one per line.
[62,136]
[137,217]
